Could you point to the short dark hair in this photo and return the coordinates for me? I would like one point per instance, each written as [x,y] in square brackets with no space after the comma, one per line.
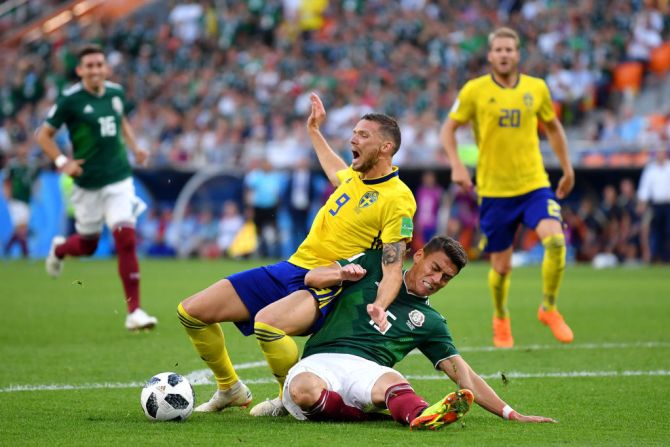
[451,247]
[90,48]
[389,127]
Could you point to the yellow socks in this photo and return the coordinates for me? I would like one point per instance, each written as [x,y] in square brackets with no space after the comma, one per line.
[209,342]
[499,286]
[553,265]
[280,350]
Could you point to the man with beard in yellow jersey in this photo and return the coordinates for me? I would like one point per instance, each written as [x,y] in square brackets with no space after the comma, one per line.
[513,187]
[371,208]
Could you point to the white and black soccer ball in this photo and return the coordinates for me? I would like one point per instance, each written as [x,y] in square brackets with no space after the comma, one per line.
[167,396]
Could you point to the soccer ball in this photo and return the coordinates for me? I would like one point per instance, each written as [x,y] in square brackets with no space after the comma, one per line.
[167,396]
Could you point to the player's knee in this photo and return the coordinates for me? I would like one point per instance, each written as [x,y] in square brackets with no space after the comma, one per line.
[268,317]
[554,242]
[305,390]
[88,245]
[502,268]
[124,239]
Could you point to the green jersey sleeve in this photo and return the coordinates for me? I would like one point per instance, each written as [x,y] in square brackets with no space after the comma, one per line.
[440,346]
[59,113]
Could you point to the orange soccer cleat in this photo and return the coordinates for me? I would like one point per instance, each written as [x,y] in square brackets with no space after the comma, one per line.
[502,332]
[450,409]
[554,320]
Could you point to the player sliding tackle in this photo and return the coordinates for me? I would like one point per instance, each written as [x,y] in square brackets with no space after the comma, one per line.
[346,369]
[371,207]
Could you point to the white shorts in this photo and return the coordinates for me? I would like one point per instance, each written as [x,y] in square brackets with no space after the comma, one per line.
[113,204]
[19,212]
[350,376]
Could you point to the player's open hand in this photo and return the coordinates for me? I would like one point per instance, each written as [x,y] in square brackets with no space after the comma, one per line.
[73,168]
[378,315]
[141,157]
[565,185]
[318,113]
[352,272]
[514,416]
[461,176]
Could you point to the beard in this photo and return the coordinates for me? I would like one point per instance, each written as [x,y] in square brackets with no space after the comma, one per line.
[368,164]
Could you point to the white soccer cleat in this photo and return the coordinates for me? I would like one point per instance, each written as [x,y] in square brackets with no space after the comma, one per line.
[52,263]
[236,396]
[272,407]
[139,319]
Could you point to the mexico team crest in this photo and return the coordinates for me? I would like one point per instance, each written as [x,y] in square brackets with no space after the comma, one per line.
[417,318]
[368,199]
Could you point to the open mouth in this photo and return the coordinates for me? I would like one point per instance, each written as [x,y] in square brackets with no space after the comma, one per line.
[428,286]
[355,154]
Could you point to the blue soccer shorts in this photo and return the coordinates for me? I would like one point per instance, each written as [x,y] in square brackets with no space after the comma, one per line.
[262,286]
[499,217]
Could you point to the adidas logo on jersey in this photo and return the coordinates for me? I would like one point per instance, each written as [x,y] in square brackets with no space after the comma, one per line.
[88,109]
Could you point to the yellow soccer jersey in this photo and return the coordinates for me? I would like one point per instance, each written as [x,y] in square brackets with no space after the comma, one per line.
[505,126]
[359,214]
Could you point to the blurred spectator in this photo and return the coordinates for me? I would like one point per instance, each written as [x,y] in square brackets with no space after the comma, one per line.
[611,215]
[302,191]
[207,235]
[629,228]
[463,218]
[20,175]
[212,77]
[428,203]
[264,186]
[230,225]
[155,233]
[654,191]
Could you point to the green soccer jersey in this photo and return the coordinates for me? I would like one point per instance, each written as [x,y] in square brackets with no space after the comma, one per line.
[21,177]
[348,328]
[94,125]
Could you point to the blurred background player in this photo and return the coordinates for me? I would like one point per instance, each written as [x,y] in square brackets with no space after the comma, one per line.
[371,207]
[94,112]
[20,175]
[346,370]
[512,184]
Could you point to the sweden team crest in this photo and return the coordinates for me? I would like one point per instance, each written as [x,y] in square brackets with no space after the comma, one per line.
[528,100]
[368,199]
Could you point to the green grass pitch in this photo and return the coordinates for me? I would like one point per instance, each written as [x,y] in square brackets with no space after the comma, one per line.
[71,374]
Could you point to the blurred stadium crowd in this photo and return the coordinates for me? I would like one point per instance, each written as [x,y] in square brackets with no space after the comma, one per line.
[226,82]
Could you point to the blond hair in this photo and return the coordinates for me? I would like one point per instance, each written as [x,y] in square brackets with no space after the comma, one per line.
[504,32]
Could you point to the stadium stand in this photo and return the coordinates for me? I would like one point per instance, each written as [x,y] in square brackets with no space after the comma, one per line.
[225,82]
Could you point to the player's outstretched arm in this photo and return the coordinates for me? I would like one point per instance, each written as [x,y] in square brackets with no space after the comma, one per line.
[460,372]
[392,257]
[45,138]
[459,173]
[559,144]
[330,162]
[333,275]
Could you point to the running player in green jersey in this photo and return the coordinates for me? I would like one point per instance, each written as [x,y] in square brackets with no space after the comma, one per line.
[346,369]
[513,188]
[93,111]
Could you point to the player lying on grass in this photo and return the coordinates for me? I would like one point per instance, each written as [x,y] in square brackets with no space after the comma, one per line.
[371,207]
[346,368]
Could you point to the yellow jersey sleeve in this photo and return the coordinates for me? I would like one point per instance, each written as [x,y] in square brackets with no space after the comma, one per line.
[397,225]
[546,111]
[463,109]
[344,174]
